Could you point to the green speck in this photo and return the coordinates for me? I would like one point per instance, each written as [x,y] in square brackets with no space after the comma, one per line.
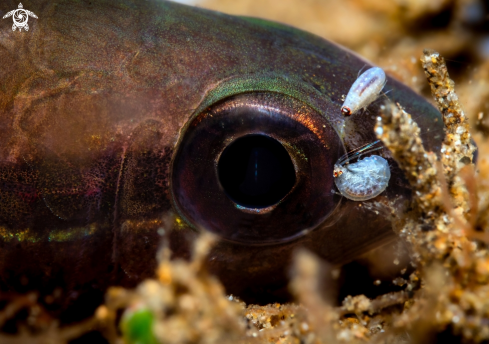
[137,327]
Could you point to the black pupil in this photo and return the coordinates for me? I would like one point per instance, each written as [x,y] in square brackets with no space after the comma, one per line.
[256,171]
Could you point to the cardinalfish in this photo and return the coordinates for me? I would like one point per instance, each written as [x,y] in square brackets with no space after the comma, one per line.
[199,126]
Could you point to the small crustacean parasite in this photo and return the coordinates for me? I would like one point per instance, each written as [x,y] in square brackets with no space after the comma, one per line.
[364,91]
[364,179]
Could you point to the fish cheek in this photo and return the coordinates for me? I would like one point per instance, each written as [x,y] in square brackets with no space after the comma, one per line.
[141,199]
[85,198]
[259,273]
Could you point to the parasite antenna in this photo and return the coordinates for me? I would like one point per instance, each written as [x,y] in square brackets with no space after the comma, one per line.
[365,149]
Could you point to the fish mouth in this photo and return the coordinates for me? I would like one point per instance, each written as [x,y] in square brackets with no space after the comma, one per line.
[256,168]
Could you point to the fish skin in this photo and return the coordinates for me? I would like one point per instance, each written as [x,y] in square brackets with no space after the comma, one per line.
[93,101]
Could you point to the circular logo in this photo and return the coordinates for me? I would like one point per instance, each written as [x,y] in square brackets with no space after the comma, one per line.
[20,17]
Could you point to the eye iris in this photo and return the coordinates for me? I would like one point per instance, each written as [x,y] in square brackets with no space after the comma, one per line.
[256,171]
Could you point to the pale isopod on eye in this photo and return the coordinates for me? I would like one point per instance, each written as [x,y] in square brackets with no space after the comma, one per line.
[364,179]
[364,90]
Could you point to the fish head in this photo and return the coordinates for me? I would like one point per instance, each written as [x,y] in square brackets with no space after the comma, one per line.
[130,124]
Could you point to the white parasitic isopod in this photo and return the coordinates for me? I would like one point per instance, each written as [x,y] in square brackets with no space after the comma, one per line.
[364,179]
[364,91]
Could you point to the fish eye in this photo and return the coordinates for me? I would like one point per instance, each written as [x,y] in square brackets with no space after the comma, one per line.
[345,110]
[256,168]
